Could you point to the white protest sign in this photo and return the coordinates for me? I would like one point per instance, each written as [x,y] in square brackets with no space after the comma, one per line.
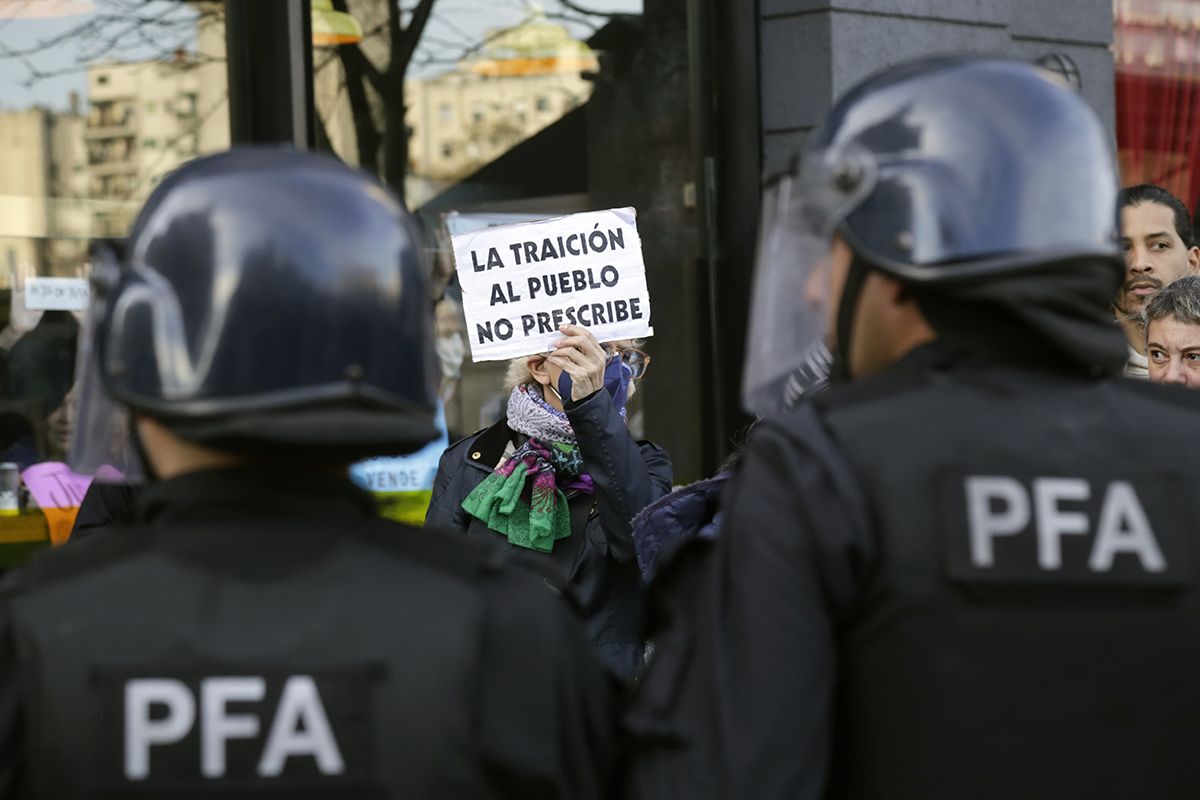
[458,222]
[57,294]
[520,283]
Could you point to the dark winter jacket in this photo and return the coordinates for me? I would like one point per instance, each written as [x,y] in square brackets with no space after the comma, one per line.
[597,562]
[669,523]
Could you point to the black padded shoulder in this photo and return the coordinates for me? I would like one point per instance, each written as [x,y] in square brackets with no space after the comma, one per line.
[1177,396]
[910,373]
[106,545]
[439,549]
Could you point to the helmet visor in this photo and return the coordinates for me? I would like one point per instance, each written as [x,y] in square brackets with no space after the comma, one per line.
[102,445]
[793,302]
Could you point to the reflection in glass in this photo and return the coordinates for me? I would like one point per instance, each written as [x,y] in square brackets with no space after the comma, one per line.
[100,101]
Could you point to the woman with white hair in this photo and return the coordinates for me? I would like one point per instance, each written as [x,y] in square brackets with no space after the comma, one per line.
[561,479]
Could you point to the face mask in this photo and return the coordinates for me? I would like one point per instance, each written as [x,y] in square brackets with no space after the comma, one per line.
[450,353]
[616,382]
[564,387]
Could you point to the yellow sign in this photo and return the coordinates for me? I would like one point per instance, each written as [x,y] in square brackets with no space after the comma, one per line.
[549,65]
[331,28]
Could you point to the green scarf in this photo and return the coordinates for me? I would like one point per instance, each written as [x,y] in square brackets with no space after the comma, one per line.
[547,467]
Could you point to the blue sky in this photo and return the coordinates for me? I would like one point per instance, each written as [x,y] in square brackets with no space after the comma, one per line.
[24,52]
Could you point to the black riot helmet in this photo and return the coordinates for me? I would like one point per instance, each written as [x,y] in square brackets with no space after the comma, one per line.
[271,300]
[951,174]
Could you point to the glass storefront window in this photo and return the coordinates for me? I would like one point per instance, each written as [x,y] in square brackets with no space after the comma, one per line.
[100,100]
[516,111]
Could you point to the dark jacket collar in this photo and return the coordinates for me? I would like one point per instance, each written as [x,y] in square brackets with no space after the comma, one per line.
[486,449]
[248,492]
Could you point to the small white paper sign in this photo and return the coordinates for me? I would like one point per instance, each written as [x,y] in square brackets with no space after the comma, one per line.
[520,283]
[57,294]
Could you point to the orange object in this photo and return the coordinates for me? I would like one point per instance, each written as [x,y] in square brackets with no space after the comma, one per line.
[547,65]
[61,521]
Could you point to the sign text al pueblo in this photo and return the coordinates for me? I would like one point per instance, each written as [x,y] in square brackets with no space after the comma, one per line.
[522,282]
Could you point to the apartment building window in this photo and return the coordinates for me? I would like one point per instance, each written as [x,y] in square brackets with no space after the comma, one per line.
[186,107]
[447,149]
[149,144]
[477,113]
[543,103]
[445,112]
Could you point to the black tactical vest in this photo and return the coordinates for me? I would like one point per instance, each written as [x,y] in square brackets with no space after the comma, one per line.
[288,644]
[1030,626]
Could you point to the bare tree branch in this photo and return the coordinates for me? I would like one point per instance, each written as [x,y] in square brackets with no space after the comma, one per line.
[125,26]
[324,144]
[394,28]
[359,72]
[353,58]
[578,9]
[412,36]
[466,52]
[590,24]
[354,61]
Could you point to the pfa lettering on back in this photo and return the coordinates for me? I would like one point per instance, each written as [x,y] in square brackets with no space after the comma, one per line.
[1022,528]
[234,729]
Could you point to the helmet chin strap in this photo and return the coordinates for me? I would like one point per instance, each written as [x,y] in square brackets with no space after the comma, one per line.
[847,307]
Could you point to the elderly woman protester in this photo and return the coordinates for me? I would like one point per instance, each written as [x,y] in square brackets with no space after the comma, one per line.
[1172,325]
[561,479]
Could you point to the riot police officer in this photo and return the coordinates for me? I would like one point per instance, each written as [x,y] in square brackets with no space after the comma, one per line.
[969,568]
[258,629]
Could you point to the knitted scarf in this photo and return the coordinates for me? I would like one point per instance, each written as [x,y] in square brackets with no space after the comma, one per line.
[549,461]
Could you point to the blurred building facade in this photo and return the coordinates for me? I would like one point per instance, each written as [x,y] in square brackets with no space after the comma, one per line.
[43,190]
[140,125]
[68,176]
[518,81]
[145,118]
[522,80]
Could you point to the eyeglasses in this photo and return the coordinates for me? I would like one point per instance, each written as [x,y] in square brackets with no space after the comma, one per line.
[637,361]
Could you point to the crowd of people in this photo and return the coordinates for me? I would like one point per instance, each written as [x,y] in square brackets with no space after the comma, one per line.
[952,569]
[1159,244]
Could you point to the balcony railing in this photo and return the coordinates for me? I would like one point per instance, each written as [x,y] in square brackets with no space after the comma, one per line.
[110,131]
[113,168]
